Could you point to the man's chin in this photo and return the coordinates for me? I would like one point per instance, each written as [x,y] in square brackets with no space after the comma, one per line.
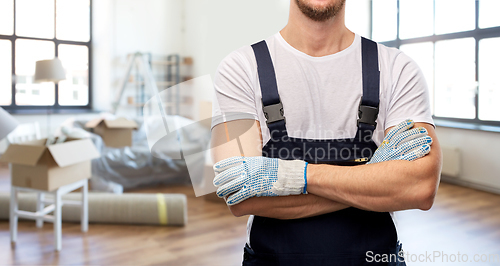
[320,10]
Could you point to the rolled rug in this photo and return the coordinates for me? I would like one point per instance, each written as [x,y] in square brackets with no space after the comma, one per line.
[127,208]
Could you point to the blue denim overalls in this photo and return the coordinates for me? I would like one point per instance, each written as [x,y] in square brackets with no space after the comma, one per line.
[339,238]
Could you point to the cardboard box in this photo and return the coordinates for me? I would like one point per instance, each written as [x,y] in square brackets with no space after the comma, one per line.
[34,165]
[115,133]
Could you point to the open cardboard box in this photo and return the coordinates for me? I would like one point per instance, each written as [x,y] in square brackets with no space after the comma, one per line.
[115,133]
[34,165]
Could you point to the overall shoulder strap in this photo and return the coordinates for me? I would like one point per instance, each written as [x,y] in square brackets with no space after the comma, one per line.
[271,102]
[369,105]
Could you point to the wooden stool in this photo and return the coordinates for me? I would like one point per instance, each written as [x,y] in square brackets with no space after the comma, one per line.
[55,205]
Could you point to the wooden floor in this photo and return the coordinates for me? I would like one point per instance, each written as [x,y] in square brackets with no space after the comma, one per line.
[462,220]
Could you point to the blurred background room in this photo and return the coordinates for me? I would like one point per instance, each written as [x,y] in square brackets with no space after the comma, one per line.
[105,123]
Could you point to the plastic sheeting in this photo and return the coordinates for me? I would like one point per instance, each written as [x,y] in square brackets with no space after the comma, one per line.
[135,166]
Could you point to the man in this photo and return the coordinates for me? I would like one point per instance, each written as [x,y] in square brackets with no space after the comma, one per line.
[320,100]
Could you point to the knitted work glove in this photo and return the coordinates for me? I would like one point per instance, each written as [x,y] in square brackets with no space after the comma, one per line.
[403,143]
[247,177]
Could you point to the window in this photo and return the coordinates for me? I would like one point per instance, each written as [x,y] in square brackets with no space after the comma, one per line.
[455,43]
[32,30]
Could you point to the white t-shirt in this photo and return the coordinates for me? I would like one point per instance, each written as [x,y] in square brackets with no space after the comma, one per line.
[321,95]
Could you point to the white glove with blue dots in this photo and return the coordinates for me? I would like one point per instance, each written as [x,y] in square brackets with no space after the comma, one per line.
[403,143]
[247,177]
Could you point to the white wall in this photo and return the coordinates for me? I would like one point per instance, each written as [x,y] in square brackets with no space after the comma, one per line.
[479,163]
[214,28]
[102,53]
[121,27]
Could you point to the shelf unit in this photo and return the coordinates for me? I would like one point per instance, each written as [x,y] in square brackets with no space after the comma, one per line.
[165,72]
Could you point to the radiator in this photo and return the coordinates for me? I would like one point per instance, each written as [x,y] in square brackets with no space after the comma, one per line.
[451,161]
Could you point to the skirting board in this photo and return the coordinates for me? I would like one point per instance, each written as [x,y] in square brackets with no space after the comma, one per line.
[455,181]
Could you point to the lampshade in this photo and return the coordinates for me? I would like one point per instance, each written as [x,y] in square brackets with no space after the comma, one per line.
[49,71]
[7,123]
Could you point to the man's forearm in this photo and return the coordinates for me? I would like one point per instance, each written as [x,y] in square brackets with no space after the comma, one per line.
[289,207]
[386,186]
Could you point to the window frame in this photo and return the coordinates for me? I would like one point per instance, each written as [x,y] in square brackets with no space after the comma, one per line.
[477,33]
[56,107]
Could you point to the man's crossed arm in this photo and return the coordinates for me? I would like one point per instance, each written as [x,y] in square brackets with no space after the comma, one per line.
[386,186]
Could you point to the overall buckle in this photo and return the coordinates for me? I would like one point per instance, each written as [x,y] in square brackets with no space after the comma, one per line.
[273,112]
[368,115]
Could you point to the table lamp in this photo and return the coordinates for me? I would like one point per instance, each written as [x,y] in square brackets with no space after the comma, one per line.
[49,71]
[7,123]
